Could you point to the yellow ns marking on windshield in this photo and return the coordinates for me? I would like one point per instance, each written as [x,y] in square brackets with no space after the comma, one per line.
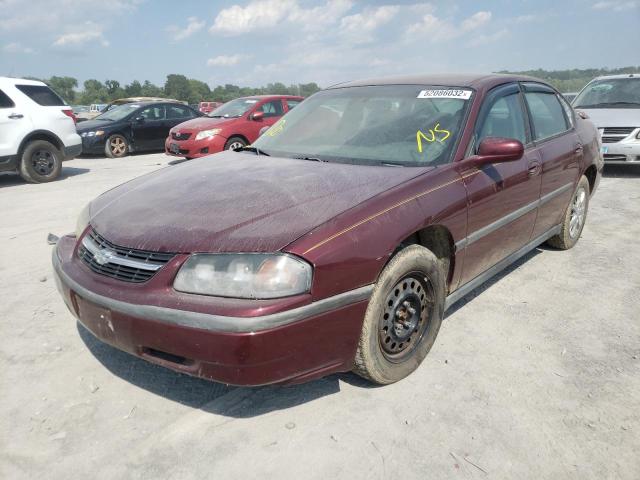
[276,129]
[420,136]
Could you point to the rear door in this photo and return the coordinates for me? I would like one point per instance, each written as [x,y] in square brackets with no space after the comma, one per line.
[13,127]
[149,129]
[177,114]
[552,125]
[503,197]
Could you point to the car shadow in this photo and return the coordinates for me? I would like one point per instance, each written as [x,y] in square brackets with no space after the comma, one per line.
[621,171]
[11,179]
[209,396]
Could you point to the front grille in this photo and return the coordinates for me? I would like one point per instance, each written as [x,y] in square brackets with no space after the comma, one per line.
[143,263]
[180,136]
[615,134]
[610,157]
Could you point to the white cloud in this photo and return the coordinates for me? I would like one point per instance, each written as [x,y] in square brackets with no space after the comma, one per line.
[226,60]
[437,29]
[616,5]
[266,14]
[16,47]
[359,26]
[80,38]
[180,33]
[484,39]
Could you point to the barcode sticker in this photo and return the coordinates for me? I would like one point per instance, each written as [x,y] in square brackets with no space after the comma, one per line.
[446,93]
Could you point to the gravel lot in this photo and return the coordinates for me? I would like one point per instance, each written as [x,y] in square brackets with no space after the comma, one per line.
[536,375]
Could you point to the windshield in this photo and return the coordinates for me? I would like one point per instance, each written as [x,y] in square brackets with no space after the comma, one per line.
[406,125]
[234,108]
[611,93]
[117,112]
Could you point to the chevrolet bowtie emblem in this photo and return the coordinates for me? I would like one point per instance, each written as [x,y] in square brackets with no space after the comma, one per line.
[103,256]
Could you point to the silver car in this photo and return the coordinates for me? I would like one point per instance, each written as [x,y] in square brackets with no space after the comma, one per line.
[613,104]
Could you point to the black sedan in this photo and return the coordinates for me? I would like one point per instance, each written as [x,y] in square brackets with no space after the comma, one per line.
[133,127]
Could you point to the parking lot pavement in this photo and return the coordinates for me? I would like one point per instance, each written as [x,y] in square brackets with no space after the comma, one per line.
[536,376]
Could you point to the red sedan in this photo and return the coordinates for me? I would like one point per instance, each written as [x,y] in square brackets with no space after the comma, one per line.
[233,125]
[339,239]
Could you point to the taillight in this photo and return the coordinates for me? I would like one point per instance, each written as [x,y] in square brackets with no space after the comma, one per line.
[69,113]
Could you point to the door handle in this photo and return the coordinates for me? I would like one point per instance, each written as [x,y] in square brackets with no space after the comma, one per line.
[578,149]
[534,169]
[15,116]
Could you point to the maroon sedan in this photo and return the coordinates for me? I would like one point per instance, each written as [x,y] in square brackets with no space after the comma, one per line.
[340,238]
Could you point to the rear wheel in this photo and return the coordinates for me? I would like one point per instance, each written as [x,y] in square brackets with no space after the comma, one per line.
[116,146]
[574,218]
[234,143]
[41,162]
[403,317]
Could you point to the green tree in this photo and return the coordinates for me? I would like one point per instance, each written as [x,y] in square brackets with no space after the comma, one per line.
[94,92]
[198,91]
[177,87]
[65,87]
[151,90]
[134,89]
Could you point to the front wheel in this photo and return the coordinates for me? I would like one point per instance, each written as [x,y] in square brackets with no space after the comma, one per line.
[574,218]
[116,146]
[234,143]
[403,317]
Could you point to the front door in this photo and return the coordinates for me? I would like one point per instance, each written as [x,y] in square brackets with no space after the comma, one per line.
[502,197]
[149,129]
[272,111]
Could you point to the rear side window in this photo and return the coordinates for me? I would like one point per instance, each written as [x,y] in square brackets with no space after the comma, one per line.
[5,101]
[568,111]
[547,114]
[42,95]
[176,111]
[292,103]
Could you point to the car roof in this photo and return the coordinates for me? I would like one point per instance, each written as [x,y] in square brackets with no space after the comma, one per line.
[444,80]
[262,97]
[623,75]
[21,81]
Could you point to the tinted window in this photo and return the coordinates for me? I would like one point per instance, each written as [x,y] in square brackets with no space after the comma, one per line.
[153,113]
[42,95]
[177,111]
[292,103]
[5,101]
[546,114]
[505,119]
[272,109]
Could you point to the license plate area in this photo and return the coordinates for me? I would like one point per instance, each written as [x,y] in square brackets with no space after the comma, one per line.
[174,148]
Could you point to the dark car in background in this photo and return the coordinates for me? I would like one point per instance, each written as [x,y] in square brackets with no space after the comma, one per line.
[132,127]
[231,126]
[338,241]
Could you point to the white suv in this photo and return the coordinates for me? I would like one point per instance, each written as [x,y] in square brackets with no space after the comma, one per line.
[37,130]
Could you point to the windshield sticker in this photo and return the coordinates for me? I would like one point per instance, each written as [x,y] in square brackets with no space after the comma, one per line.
[448,93]
[444,134]
[276,129]
[251,101]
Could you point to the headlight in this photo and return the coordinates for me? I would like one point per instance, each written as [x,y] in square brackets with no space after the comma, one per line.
[208,133]
[96,133]
[244,275]
[83,221]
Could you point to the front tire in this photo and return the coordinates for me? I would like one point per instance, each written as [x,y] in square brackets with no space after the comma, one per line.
[234,143]
[41,162]
[403,317]
[574,218]
[116,146]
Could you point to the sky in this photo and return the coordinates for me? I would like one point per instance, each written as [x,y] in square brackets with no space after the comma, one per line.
[255,42]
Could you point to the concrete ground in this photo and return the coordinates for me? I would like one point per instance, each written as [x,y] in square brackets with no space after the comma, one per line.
[533,376]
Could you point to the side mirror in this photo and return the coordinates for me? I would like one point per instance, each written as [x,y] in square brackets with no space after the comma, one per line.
[499,150]
[257,116]
[139,120]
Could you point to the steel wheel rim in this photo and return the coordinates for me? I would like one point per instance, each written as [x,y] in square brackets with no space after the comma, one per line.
[43,162]
[236,145]
[578,212]
[405,318]
[117,146]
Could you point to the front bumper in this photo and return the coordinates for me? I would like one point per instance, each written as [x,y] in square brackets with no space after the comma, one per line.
[195,148]
[625,152]
[292,345]
[93,145]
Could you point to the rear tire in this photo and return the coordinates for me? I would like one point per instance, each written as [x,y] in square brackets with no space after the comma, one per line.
[116,146]
[403,317]
[234,143]
[574,218]
[41,162]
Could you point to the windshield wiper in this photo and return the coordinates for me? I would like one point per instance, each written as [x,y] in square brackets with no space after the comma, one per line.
[312,159]
[255,150]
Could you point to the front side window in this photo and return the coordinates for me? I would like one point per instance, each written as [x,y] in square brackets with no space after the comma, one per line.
[117,113]
[405,125]
[5,101]
[272,109]
[505,119]
[610,93]
[547,114]
[42,95]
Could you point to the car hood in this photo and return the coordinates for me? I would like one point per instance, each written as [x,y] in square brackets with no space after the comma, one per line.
[613,117]
[93,125]
[203,123]
[235,202]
